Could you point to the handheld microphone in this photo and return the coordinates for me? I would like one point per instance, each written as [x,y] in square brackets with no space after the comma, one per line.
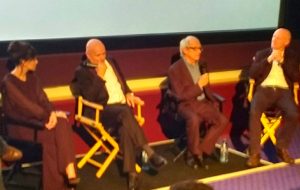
[88,64]
[203,68]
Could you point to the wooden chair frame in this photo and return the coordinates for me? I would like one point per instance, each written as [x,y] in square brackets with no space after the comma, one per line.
[105,143]
[270,123]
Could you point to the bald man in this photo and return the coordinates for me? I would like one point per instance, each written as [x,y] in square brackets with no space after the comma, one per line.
[100,80]
[274,71]
[189,83]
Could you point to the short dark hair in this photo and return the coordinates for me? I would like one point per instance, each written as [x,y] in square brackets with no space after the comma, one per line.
[190,185]
[18,51]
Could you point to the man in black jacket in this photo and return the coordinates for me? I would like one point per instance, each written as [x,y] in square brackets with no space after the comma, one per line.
[274,71]
[100,80]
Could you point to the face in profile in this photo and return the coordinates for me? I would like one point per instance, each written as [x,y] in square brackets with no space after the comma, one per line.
[30,64]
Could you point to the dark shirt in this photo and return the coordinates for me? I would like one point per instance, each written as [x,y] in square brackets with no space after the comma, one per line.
[25,102]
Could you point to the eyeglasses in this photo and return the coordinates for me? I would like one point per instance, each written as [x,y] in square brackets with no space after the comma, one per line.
[195,48]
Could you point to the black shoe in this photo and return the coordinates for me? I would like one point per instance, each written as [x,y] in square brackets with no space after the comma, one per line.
[195,162]
[284,155]
[253,161]
[156,161]
[133,181]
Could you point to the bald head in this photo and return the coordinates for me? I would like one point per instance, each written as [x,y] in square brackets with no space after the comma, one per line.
[281,39]
[95,51]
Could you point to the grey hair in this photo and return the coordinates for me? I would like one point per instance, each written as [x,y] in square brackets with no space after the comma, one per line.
[183,44]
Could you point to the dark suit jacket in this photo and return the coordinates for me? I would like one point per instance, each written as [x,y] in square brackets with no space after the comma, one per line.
[260,68]
[183,86]
[90,86]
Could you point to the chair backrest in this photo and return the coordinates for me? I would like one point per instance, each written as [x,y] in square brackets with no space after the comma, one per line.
[172,124]
[31,150]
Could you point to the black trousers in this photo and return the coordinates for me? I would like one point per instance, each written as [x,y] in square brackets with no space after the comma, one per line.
[264,98]
[131,136]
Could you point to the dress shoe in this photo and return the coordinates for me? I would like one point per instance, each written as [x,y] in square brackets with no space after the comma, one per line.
[253,160]
[284,155]
[156,161]
[133,181]
[11,154]
[195,161]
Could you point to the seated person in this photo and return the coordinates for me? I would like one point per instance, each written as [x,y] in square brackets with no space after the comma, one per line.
[26,104]
[274,71]
[189,83]
[100,80]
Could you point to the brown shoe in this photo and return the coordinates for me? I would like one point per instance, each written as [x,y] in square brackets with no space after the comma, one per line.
[253,160]
[284,155]
[11,154]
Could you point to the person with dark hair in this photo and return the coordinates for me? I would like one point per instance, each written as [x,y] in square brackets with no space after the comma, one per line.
[26,104]
[188,81]
[190,185]
[274,73]
[100,80]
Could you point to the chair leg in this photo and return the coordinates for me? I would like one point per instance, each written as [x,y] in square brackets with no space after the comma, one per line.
[92,151]
[181,153]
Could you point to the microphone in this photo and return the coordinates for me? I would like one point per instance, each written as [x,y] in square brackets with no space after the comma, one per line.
[203,68]
[88,64]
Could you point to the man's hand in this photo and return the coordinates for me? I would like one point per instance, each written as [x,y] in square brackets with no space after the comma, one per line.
[203,80]
[52,121]
[276,55]
[100,69]
[132,100]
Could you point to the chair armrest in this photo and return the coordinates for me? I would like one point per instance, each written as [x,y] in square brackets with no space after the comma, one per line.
[250,91]
[296,88]
[140,119]
[218,97]
[82,102]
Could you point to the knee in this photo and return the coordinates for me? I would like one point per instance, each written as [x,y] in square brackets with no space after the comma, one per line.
[292,115]
[125,113]
[223,120]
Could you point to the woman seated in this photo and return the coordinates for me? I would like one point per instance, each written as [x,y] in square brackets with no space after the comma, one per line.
[26,104]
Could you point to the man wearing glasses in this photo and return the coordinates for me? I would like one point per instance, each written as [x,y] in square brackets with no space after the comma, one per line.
[189,84]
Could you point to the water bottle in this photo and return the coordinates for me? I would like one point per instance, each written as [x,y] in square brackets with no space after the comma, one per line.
[224,152]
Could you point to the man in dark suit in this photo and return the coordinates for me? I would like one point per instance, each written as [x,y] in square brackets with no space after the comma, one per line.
[274,72]
[100,80]
[189,83]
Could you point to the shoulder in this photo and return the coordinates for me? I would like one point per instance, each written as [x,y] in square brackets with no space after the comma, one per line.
[291,52]
[264,52]
[6,79]
[177,65]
